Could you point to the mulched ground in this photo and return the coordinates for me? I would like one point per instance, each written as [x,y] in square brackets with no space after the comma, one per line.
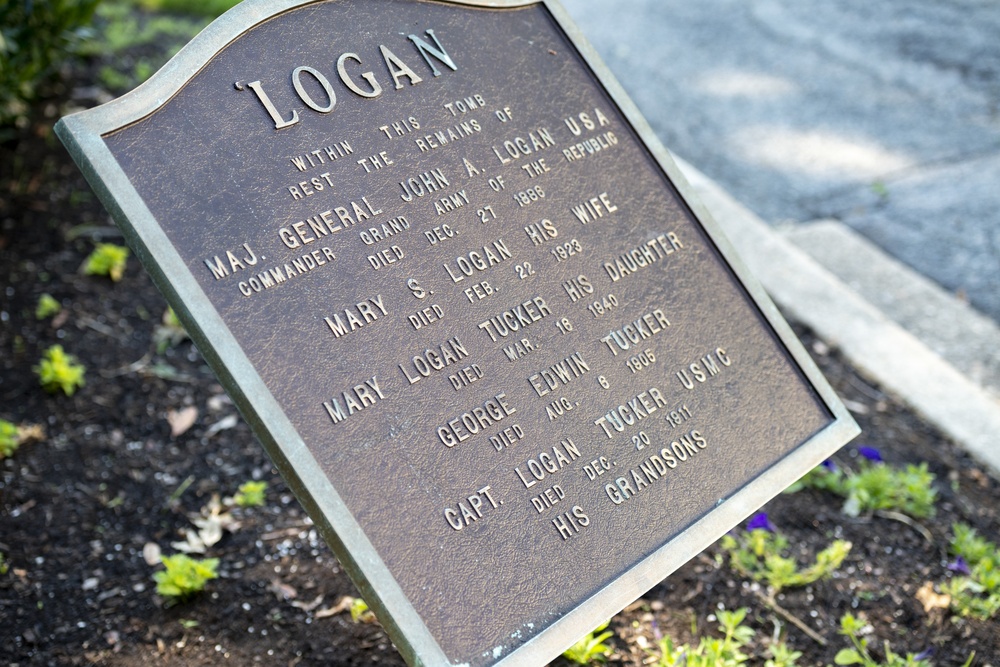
[78,507]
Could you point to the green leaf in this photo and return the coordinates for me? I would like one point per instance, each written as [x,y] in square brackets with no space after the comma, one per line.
[848,656]
[251,494]
[47,307]
[107,259]
[360,613]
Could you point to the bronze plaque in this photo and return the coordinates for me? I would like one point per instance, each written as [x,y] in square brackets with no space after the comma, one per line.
[467,301]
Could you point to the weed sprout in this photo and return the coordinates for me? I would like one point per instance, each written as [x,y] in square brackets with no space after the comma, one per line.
[250,494]
[591,647]
[757,553]
[107,259]
[184,576]
[58,370]
[47,307]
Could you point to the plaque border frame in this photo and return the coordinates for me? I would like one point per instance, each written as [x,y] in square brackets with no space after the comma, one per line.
[83,132]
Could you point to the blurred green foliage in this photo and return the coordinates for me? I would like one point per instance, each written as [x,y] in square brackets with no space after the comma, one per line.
[209,8]
[39,39]
[36,37]
[130,44]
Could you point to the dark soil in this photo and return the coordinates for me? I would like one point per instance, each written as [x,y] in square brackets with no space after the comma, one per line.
[78,506]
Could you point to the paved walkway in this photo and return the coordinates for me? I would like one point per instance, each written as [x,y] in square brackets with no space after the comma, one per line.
[883,115]
[851,151]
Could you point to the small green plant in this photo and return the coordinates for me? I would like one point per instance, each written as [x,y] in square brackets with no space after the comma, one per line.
[4,566]
[825,477]
[853,628]
[107,259]
[976,592]
[47,307]
[10,439]
[880,189]
[877,486]
[250,494]
[58,370]
[184,576]
[591,647]
[881,487]
[360,613]
[726,651]
[169,332]
[757,553]
[782,655]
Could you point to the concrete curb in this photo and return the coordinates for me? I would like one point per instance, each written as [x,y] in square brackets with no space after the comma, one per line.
[876,345]
[950,327]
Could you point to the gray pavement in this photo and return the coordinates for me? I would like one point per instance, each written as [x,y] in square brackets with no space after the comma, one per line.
[828,139]
[882,115]
[937,384]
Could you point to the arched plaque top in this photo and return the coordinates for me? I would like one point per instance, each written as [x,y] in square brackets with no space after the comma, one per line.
[153,93]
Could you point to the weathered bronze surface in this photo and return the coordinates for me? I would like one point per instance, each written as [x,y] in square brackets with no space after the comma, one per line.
[467,310]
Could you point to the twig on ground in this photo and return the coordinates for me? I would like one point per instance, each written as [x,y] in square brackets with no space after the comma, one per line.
[286,532]
[134,367]
[902,518]
[788,616]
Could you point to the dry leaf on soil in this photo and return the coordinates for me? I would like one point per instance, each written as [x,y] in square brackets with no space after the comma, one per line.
[339,608]
[151,553]
[309,606]
[222,425]
[181,420]
[211,522]
[283,590]
[931,599]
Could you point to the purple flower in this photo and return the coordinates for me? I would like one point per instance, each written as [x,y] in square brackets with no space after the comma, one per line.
[870,453]
[924,655]
[829,465]
[959,565]
[760,521]
[657,634]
